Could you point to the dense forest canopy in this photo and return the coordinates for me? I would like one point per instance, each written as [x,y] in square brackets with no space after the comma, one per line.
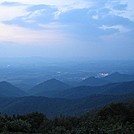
[112,119]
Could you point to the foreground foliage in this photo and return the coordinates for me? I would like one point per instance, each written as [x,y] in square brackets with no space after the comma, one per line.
[112,119]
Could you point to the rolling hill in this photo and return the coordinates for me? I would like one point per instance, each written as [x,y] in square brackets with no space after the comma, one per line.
[92,81]
[8,90]
[109,89]
[118,77]
[53,107]
[112,78]
[48,88]
[66,100]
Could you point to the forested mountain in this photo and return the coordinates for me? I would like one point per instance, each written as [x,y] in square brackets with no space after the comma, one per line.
[54,106]
[57,89]
[119,88]
[112,78]
[118,77]
[109,89]
[8,90]
[48,88]
[92,81]
[64,100]
[112,119]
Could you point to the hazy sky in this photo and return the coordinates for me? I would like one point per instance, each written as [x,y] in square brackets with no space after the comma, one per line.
[98,29]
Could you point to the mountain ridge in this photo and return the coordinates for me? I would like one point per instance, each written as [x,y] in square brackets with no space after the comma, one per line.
[53,107]
[109,89]
[9,90]
[49,87]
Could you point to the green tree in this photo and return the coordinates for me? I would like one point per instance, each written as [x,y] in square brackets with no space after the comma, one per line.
[18,126]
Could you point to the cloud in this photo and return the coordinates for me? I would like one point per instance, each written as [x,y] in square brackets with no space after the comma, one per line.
[11,12]
[54,20]
[16,14]
[32,15]
[118,34]
[16,34]
[96,17]
[119,28]
[119,8]
[122,8]
[53,25]
[73,4]
[10,9]
[60,4]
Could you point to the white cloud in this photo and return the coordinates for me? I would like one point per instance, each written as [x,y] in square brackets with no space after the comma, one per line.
[11,12]
[73,4]
[19,34]
[76,3]
[16,34]
[120,28]
[127,13]
[53,25]
[13,33]
[31,16]
[66,4]
[96,17]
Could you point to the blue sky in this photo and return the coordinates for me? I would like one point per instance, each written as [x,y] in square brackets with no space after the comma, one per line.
[95,29]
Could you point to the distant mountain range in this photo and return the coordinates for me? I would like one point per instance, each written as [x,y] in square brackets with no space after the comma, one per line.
[109,89]
[92,81]
[57,89]
[115,83]
[112,78]
[64,98]
[117,77]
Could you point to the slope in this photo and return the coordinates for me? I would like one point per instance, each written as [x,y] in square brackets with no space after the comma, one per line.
[48,88]
[54,107]
[92,81]
[117,77]
[109,89]
[8,90]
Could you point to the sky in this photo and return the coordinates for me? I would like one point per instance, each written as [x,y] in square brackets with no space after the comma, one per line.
[94,29]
